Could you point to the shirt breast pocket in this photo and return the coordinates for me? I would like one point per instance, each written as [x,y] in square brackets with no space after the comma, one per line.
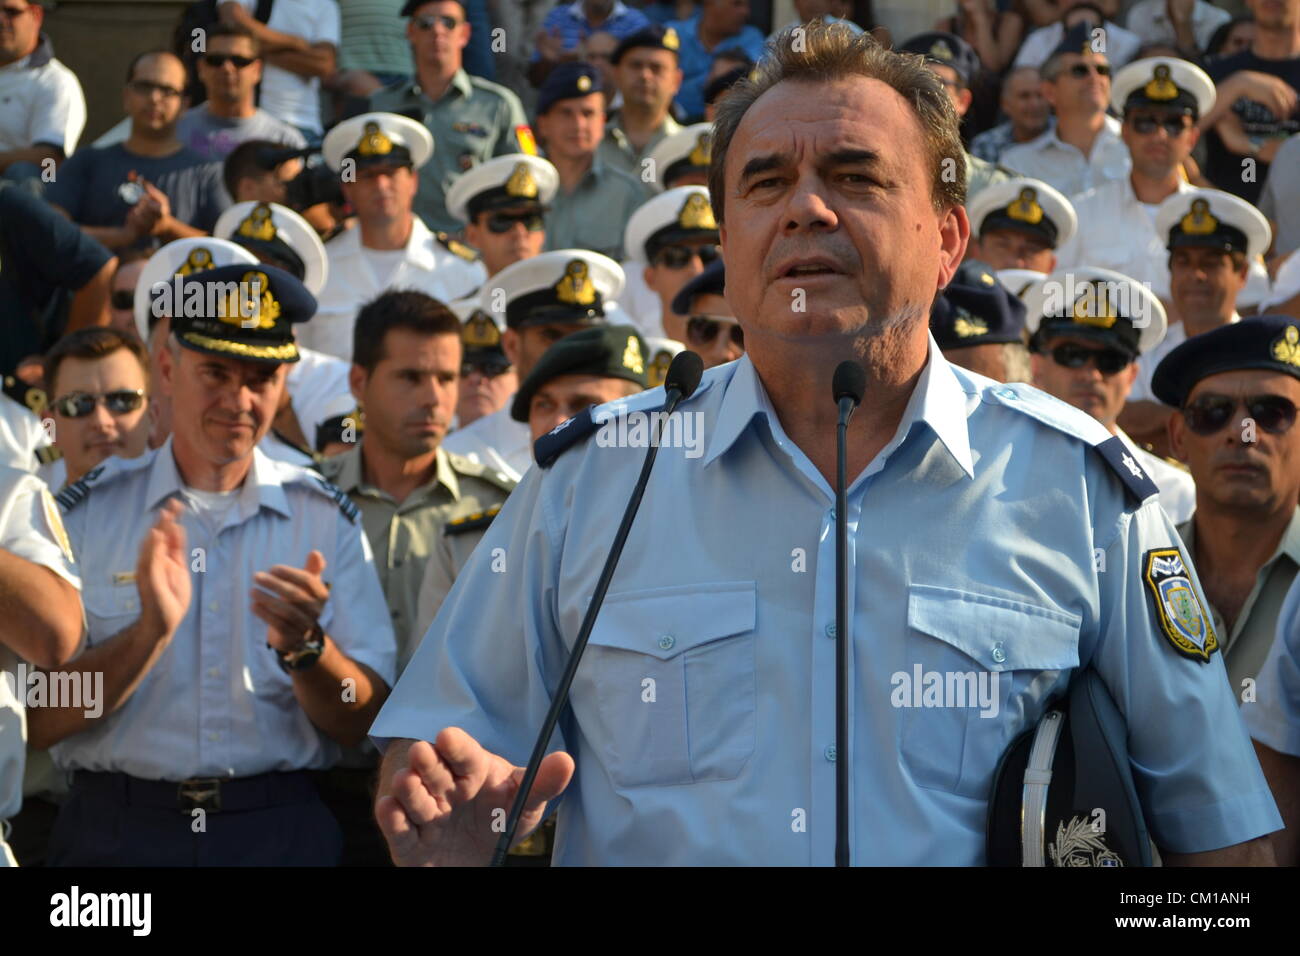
[981,669]
[671,671]
[109,610]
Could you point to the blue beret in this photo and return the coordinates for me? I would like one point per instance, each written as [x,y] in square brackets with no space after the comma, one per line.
[238,311]
[1077,39]
[654,36]
[568,81]
[976,309]
[946,49]
[1267,342]
[712,281]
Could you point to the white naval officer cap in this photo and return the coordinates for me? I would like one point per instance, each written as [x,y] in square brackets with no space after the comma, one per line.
[570,286]
[501,182]
[278,236]
[659,353]
[182,257]
[1215,219]
[374,138]
[678,215]
[1024,205]
[685,153]
[1163,81]
[1019,281]
[1099,304]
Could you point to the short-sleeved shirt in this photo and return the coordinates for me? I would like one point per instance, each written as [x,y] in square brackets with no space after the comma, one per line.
[215,137]
[41,253]
[403,536]
[88,182]
[41,103]
[373,37]
[1224,167]
[472,121]
[1246,646]
[1121,45]
[594,216]
[216,703]
[988,536]
[285,94]
[1273,718]
[1280,198]
[30,528]
[571,21]
[617,152]
[1063,167]
[695,60]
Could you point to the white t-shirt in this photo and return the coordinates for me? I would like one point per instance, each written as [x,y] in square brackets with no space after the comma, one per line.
[40,102]
[210,507]
[286,95]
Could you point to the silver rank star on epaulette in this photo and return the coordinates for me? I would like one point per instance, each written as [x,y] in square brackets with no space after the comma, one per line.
[345,504]
[76,492]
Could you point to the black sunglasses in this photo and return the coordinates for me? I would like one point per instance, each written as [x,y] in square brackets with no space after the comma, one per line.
[701,330]
[122,299]
[1108,361]
[488,368]
[1174,125]
[81,404]
[219,60]
[1080,70]
[503,222]
[145,88]
[1208,414]
[429,21]
[679,257]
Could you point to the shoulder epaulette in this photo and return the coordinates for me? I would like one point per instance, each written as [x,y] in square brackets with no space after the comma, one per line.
[475,522]
[473,469]
[563,436]
[339,496]
[1125,464]
[48,453]
[75,493]
[455,247]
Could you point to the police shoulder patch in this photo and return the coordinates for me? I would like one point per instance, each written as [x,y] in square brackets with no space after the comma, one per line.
[79,490]
[1124,463]
[1180,616]
[345,504]
[563,437]
[471,522]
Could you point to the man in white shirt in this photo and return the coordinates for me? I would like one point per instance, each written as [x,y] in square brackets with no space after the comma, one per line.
[1086,328]
[1187,26]
[1160,99]
[42,109]
[1084,149]
[377,155]
[300,43]
[1121,45]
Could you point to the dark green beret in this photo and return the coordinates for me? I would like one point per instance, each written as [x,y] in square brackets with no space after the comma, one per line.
[607,351]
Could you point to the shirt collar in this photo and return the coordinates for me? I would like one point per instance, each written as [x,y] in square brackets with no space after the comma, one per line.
[350,477]
[576,11]
[262,488]
[459,82]
[1289,544]
[938,400]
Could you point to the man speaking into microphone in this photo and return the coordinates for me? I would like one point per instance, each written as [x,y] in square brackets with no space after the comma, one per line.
[996,539]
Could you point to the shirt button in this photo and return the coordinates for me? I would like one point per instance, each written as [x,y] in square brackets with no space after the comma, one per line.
[830,753]
[214,671]
[214,606]
[999,655]
[830,630]
[1006,393]
[667,641]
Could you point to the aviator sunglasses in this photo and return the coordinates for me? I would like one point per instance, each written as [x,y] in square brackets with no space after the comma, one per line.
[1108,361]
[701,330]
[1208,414]
[80,404]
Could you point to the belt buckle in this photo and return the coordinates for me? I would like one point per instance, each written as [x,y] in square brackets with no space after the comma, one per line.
[199,793]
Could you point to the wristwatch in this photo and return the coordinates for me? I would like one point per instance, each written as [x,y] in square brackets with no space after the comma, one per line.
[306,654]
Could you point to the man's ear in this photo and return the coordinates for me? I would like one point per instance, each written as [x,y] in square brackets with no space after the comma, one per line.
[510,345]
[1175,429]
[357,378]
[166,368]
[648,275]
[954,234]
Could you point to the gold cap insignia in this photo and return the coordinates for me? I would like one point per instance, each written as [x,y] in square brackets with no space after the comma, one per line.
[258,224]
[1161,88]
[968,328]
[1199,222]
[1026,209]
[703,151]
[940,51]
[670,39]
[697,213]
[521,182]
[259,305]
[659,368]
[1093,308]
[632,356]
[480,332]
[987,279]
[199,260]
[374,142]
[1286,347]
[584,83]
[575,286]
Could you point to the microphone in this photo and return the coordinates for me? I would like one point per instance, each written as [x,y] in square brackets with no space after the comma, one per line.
[679,384]
[848,385]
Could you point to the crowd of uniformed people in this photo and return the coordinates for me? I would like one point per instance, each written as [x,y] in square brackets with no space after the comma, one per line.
[278,348]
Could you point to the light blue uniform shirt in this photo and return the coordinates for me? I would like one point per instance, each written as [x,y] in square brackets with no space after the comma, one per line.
[974,538]
[216,703]
[1273,718]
